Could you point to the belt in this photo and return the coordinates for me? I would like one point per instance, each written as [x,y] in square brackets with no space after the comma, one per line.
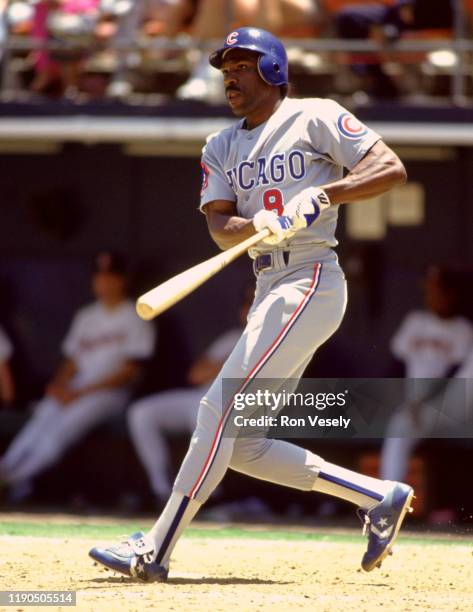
[265,261]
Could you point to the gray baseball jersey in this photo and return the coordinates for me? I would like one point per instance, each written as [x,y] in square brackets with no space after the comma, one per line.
[304,143]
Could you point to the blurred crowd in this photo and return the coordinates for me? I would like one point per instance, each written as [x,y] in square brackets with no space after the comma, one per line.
[108,348]
[96,49]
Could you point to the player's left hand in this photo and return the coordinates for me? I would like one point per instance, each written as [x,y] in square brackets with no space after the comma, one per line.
[62,393]
[281,227]
[306,207]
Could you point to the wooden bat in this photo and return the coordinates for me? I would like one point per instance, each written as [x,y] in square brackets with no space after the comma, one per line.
[162,297]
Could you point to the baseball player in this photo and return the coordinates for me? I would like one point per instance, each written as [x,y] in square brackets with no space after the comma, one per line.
[429,342]
[152,417]
[102,351]
[279,167]
[7,388]
[446,412]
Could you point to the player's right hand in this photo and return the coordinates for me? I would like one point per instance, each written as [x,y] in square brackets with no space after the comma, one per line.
[281,227]
[306,207]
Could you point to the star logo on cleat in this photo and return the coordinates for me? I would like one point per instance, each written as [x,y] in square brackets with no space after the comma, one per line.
[140,567]
[383,522]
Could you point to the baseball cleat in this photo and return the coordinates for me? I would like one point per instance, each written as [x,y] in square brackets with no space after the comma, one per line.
[383,523]
[134,557]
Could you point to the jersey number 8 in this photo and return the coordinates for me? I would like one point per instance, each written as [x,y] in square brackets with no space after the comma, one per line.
[273,200]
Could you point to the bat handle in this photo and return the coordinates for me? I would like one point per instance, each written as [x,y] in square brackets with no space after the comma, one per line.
[234,251]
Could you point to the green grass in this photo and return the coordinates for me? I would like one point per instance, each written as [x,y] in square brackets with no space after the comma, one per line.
[112,532]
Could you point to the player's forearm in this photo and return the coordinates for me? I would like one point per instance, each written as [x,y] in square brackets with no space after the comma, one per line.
[379,171]
[65,373]
[227,230]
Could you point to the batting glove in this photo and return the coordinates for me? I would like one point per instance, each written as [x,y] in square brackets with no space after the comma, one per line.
[281,227]
[305,208]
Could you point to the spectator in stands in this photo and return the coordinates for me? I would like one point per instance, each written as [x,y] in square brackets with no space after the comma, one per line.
[383,24]
[175,411]
[7,388]
[67,21]
[281,17]
[152,17]
[430,343]
[103,350]
[169,17]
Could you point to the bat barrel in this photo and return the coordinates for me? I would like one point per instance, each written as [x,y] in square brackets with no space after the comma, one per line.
[144,310]
[156,301]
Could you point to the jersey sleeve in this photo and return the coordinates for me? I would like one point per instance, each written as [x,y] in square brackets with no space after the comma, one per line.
[140,340]
[335,132]
[70,343]
[215,185]
[400,342]
[6,348]
[464,342]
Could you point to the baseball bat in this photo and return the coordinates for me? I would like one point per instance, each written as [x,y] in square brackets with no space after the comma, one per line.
[162,297]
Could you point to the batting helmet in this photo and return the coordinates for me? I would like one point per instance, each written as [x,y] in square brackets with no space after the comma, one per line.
[272,63]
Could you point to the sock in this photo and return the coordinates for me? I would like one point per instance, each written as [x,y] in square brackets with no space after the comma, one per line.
[363,491]
[176,516]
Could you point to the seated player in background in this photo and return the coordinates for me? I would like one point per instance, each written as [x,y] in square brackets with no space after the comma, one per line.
[175,411]
[7,388]
[430,343]
[102,354]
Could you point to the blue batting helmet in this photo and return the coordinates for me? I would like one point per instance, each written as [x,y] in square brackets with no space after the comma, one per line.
[272,62]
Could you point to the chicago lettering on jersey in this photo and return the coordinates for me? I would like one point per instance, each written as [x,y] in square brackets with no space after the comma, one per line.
[91,344]
[262,171]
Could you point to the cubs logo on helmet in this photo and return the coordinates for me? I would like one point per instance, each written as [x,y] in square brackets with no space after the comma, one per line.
[350,127]
[232,38]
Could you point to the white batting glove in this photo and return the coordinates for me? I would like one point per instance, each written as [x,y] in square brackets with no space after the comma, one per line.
[281,227]
[305,208]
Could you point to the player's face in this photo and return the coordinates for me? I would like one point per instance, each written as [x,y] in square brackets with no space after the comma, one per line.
[109,288]
[438,299]
[245,90]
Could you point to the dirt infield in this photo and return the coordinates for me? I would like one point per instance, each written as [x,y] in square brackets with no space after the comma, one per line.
[222,574]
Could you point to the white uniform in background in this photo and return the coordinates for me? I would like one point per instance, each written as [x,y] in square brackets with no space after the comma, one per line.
[170,412]
[429,346]
[99,342]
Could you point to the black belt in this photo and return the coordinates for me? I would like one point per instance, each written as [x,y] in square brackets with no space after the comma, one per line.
[265,261]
